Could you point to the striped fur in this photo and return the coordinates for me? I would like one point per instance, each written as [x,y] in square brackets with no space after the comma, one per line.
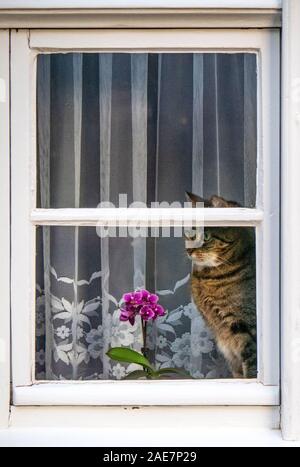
[223,287]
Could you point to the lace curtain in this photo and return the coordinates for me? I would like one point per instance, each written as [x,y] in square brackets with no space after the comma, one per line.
[150,126]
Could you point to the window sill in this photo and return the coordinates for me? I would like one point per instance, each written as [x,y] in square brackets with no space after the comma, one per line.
[141,426]
[143,393]
[112,437]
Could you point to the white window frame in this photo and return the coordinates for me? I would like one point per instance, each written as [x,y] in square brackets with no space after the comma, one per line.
[207,14]
[25,46]
[290,221]
[140,13]
[109,4]
[4,230]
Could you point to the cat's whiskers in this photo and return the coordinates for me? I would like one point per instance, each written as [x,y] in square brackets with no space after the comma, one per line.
[224,261]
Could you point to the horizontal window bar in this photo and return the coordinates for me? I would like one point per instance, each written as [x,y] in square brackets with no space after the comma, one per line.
[209,393]
[151,40]
[145,217]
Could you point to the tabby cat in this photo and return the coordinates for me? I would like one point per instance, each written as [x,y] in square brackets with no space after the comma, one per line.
[223,287]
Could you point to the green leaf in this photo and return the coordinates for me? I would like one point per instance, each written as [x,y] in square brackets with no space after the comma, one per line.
[137,374]
[125,354]
[177,371]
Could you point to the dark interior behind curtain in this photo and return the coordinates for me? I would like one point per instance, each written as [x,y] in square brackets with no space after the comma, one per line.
[151,126]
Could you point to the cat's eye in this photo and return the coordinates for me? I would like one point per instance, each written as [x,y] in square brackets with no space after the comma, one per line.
[207,237]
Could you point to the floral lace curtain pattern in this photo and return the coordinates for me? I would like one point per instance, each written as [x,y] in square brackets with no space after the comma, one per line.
[150,126]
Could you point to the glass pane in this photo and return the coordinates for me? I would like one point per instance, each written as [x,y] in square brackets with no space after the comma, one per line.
[205,282]
[148,126]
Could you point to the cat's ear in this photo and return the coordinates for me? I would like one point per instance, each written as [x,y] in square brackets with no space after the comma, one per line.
[191,197]
[219,202]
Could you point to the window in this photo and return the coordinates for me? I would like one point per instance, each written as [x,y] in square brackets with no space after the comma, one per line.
[113,127]
[181,111]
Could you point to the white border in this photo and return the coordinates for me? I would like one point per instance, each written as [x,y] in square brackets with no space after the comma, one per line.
[4,230]
[266,44]
[46,4]
[291,222]
[220,436]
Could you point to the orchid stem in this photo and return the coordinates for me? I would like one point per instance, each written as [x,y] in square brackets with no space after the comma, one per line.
[144,329]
